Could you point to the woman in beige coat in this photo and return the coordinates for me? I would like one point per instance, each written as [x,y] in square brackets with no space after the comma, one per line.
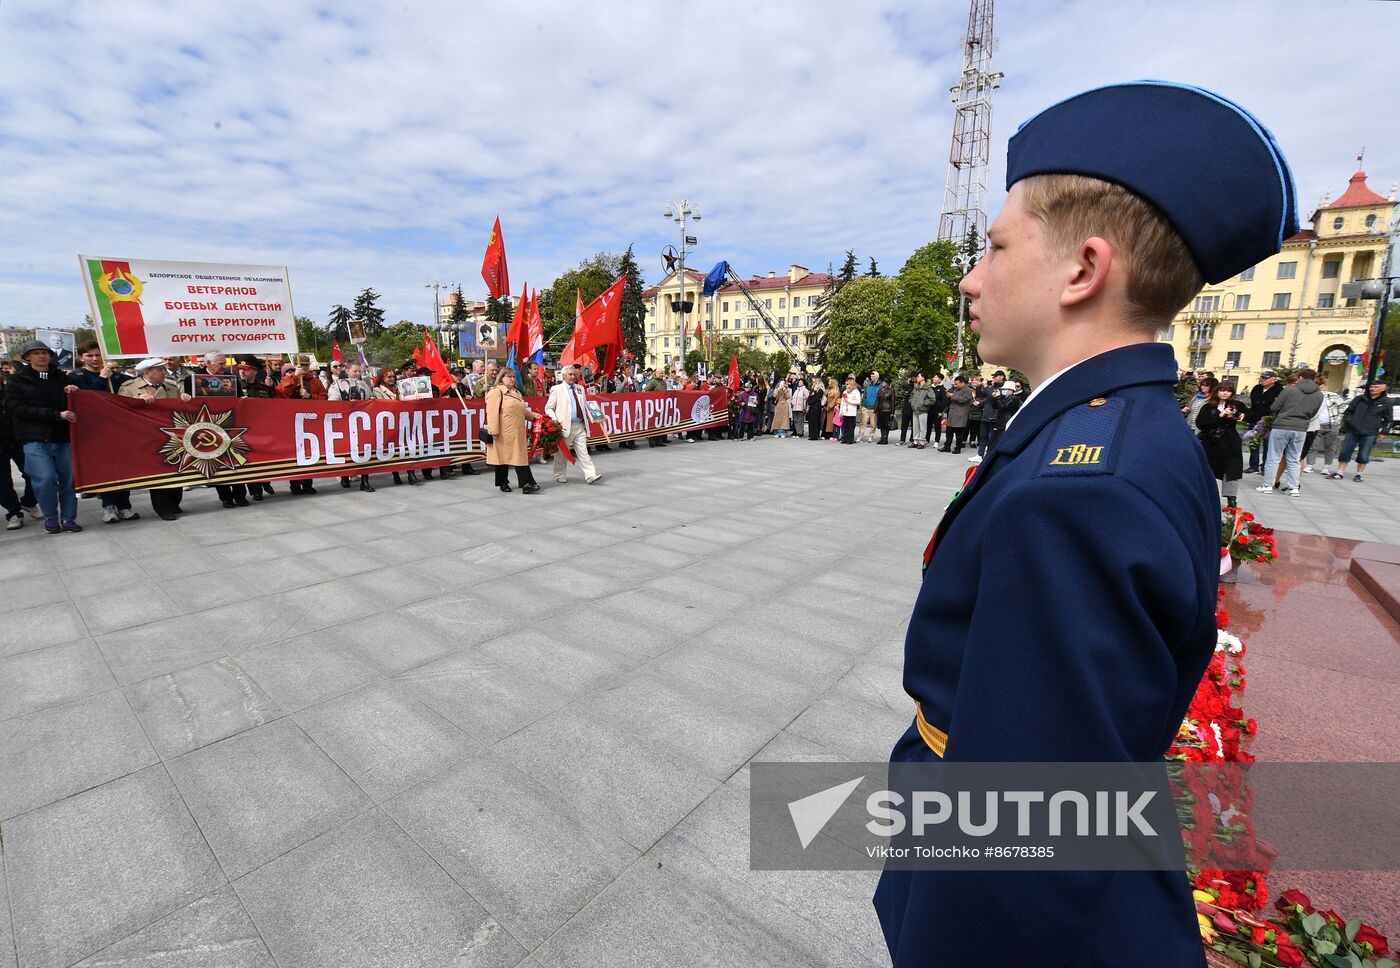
[506,414]
[833,400]
[782,410]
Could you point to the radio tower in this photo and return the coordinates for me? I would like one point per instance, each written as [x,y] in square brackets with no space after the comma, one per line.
[965,198]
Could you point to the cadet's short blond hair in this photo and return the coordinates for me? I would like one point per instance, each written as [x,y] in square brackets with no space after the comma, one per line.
[1162,276]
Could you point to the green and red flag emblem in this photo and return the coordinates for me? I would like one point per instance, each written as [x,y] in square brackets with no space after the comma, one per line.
[117,292]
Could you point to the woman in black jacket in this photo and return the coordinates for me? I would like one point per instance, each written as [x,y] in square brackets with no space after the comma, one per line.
[816,402]
[1218,422]
[884,409]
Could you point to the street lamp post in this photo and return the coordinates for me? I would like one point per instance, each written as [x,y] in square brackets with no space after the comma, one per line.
[442,330]
[678,213]
[963,261]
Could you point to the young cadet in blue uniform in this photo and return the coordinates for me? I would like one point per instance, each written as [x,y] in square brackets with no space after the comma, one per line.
[1068,607]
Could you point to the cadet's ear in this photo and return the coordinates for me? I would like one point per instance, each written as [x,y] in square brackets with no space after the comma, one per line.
[1089,269]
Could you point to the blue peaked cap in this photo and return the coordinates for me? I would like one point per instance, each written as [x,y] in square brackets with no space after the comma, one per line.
[1211,168]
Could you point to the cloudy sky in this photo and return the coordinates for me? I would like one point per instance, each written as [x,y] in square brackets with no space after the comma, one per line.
[373,143]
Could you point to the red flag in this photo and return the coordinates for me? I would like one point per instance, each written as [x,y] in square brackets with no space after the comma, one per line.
[601,326]
[432,359]
[699,331]
[570,355]
[493,267]
[534,344]
[734,373]
[336,355]
[516,334]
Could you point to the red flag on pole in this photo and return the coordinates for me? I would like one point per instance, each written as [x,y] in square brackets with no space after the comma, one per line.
[600,326]
[432,359]
[570,355]
[535,340]
[734,373]
[699,331]
[336,355]
[493,267]
[515,336]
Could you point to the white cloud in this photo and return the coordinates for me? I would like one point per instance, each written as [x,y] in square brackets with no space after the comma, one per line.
[368,144]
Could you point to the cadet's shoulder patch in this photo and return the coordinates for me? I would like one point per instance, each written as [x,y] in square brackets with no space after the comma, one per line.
[1085,439]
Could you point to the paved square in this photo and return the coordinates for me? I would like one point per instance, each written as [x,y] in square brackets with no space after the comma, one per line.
[444,725]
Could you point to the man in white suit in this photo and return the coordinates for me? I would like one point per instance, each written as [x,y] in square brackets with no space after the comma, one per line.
[568,405]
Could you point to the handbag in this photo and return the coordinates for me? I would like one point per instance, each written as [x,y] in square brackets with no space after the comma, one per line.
[486,436]
[838,420]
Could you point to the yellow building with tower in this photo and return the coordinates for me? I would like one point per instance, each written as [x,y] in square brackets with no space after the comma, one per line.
[1289,310]
[790,300]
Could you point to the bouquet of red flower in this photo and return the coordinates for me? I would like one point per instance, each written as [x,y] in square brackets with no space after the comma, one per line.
[1245,538]
[548,431]
[1301,936]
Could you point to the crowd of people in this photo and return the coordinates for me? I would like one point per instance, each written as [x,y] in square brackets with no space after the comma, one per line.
[951,412]
[36,417]
[1288,426]
[1285,427]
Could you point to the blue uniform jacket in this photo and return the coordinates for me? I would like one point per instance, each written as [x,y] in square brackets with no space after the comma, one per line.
[1067,614]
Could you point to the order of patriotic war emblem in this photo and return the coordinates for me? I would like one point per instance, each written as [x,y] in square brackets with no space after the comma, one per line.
[204,442]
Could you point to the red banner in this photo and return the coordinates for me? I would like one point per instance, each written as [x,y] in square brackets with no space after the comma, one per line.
[121,443]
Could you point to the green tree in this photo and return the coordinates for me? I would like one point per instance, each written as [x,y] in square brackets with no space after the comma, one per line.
[729,347]
[971,250]
[924,328]
[309,336]
[373,316]
[848,268]
[395,343]
[823,308]
[459,308]
[338,323]
[499,312]
[874,270]
[634,311]
[559,302]
[860,330]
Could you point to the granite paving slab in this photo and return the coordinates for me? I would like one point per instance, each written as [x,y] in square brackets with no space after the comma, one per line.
[261,793]
[385,739]
[652,913]
[63,750]
[366,896]
[184,710]
[49,676]
[632,786]
[90,870]
[521,851]
[212,932]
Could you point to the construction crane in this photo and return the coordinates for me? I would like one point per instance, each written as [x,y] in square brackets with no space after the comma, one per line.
[733,277]
[969,156]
